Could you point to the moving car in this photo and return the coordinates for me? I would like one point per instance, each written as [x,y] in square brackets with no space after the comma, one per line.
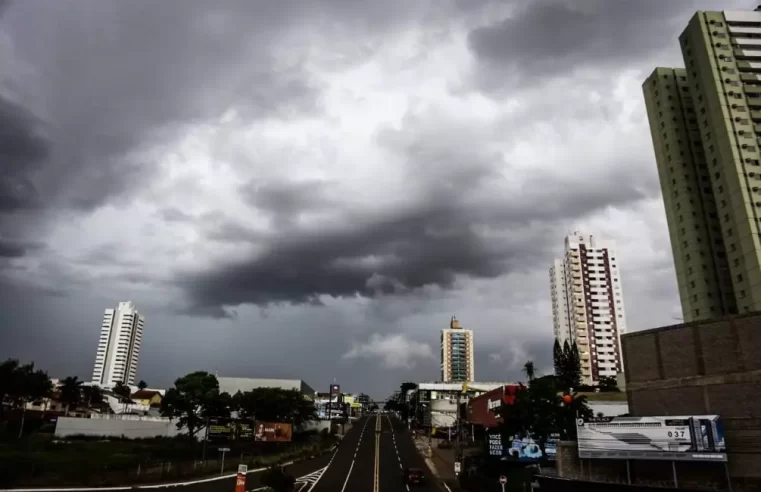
[413,476]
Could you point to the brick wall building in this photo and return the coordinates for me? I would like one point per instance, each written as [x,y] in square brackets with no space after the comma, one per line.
[708,367]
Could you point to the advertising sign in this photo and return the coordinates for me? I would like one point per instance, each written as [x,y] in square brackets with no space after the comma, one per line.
[220,429]
[229,429]
[521,448]
[673,438]
[273,432]
[245,431]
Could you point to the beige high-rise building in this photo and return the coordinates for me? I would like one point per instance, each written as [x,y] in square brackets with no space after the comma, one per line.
[588,305]
[705,122]
[457,355]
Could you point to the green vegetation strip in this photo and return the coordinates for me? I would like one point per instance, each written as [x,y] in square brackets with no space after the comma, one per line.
[41,461]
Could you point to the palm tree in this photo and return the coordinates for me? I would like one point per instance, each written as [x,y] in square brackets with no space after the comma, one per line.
[122,391]
[528,369]
[70,392]
[93,395]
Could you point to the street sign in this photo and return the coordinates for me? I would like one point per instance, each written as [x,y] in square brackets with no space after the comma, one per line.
[224,450]
[502,479]
[457,467]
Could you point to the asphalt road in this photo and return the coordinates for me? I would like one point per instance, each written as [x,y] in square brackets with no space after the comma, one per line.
[353,468]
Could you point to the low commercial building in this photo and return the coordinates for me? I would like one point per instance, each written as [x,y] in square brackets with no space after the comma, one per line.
[233,385]
[434,404]
[482,409]
[151,398]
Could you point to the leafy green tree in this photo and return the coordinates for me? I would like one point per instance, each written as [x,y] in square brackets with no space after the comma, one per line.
[608,384]
[142,385]
[528,369]
[276,405]
[92,396]
[190,400]
[7,373]
[403,407]
[540,411]
[391,405]
[28,385]
[568,366]
[121,390]
[558,358]
[70,392]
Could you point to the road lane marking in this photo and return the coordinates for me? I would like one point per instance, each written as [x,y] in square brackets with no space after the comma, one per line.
[376,472]
[347,476]
[334,455]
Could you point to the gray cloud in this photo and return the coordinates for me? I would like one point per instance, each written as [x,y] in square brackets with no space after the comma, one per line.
[113,78]
[94,95]
[551,38]
[386,255]
[23,148]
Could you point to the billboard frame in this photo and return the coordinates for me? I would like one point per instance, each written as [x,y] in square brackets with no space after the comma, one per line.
[696,438]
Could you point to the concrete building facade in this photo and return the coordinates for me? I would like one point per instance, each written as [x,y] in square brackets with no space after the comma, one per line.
[708,367]
[561,314]
[457,354]
[118,353]
[587,304]
[706,126]
[233,385]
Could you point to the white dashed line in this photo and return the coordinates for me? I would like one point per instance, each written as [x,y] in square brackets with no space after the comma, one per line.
[347,476]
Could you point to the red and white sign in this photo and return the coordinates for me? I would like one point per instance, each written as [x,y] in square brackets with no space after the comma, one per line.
[502,479]
[240,480]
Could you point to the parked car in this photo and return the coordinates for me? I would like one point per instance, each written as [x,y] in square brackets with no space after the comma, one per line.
[413,476]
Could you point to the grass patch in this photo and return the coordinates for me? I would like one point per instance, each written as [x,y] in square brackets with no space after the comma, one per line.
[609,396]
[40,460]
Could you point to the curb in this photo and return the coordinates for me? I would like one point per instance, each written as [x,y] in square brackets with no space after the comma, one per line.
[162,485]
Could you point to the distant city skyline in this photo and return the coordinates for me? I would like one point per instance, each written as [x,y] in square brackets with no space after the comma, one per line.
[118,353]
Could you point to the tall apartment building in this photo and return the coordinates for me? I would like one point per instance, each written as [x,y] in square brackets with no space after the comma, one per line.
[561,314]
[705,122]
[588,305]
[119,347]
[457,359]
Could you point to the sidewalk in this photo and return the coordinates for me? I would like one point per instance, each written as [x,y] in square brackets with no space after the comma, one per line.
[440,461]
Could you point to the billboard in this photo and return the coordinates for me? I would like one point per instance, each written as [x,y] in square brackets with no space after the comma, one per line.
[273,432]
[220,429]
[521,448]
[673,438]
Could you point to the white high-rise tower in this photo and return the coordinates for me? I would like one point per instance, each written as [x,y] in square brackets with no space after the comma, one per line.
[588,304]
[118,353]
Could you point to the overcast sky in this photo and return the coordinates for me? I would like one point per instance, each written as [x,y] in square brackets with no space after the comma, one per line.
[311,189]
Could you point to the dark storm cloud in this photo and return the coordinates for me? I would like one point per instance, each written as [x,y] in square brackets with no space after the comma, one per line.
[114,76]
[15,249]
[367,257]
[550,37]
[23,148]
[471,218]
